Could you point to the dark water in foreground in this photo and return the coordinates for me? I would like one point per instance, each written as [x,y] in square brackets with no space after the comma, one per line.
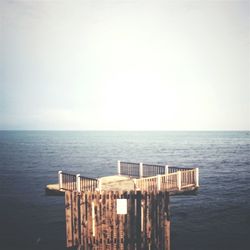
[218,217]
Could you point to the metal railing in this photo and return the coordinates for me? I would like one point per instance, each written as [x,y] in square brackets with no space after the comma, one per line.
[187,178]
[148,184]
[148,178]
[129,169]
[169,182]
[140,170]
[76,182]
[172,169]
[176,181]
[67,181]
[151,170]
[88,184]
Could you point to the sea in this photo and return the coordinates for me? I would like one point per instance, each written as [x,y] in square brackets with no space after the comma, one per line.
[217,217]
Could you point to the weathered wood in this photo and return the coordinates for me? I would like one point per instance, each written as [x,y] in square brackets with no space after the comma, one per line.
[83,219]
[68,215]
[131,212]
[112,220]
[92,221]
[75,224]
[123,225]
[109,224]
[138,219]
[148,220]
[167,234]
[97,214]
[144,221]
[153,221]
[104,218]
[89,218]
[166,220]
[128,224]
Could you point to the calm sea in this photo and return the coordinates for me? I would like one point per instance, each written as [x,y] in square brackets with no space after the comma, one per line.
[217,217]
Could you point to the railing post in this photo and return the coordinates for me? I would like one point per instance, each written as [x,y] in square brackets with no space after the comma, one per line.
[197,177]
[119,167]
[99,185]
[166,169]
[135,185]
[179,180]
[141,170]
[93,218]
[78,183]
[158,182]
[60,179]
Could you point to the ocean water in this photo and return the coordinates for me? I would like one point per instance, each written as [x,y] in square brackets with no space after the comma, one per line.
[217,217]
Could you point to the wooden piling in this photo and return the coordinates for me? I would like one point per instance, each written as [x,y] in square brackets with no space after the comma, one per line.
[68,215]
[93,222]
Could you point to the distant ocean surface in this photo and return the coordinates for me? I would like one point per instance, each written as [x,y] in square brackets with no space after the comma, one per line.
[217,217]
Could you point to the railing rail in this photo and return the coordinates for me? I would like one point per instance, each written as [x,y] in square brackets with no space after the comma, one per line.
[76,182]
[141,170]
[129,168]
[146,184]
[168,182]
[151,170]
[88,184]
[187,178]
[173,169]
[148,178]
[68,181]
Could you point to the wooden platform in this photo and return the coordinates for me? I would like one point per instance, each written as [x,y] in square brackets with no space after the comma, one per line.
[117,183]
[132,177]
[107,183]
[53,189]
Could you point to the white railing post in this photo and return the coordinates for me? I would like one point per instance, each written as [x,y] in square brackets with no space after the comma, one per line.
[99,185]
[197,177]
[158,182]
[135,185]
[119,167]
[60,179]
[166,169]
[179,180]
[93,218]
[141,170]
[78,183]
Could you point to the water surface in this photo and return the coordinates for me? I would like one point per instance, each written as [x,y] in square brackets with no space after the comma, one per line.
[218,217]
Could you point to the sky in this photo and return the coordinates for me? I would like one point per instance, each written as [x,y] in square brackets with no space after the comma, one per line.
[124,65]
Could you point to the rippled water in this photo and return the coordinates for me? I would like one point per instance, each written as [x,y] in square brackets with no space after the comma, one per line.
[218,217]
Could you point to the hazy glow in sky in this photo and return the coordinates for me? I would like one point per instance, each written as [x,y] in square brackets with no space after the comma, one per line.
[125,65]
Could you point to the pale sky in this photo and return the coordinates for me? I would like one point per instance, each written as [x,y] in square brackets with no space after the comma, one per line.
[125,65]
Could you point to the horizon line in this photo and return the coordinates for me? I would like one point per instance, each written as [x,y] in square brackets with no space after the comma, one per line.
[130,130]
